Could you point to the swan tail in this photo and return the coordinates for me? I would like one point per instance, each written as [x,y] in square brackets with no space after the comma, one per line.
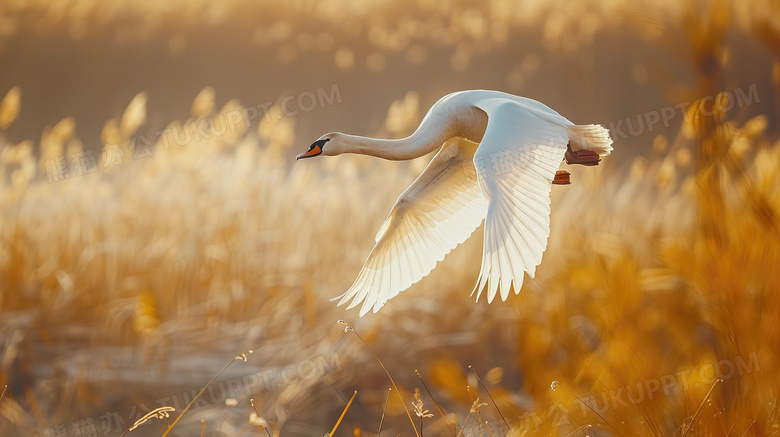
[591,137]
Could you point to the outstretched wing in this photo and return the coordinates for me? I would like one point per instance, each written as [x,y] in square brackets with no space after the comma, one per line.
[516,163]
[438,211]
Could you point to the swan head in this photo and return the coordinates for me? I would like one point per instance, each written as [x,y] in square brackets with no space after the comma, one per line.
[335,146]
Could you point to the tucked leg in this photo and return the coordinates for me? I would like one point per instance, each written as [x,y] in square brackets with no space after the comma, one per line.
[582,157]
[562,177]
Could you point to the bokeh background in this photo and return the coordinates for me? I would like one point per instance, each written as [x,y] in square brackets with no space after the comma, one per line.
[134,265]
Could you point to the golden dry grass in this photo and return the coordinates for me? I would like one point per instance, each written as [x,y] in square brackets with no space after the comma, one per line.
[666,268]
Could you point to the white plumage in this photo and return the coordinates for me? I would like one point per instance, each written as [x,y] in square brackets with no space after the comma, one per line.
[498,156]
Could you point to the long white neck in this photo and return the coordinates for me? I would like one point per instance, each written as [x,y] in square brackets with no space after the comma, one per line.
[429,136]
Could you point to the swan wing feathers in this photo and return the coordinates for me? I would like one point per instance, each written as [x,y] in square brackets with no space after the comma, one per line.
[516,163]
[438,211]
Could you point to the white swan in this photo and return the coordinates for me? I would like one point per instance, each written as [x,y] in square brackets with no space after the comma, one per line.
[499,156]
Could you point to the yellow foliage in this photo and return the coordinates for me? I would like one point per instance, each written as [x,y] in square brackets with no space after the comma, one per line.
[662,270]
[450,377]
[146,317]
[10,107]
[134,116]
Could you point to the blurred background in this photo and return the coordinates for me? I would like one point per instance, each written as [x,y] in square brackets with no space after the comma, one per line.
[155,225]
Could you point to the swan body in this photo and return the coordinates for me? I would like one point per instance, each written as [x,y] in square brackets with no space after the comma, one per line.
[497,160]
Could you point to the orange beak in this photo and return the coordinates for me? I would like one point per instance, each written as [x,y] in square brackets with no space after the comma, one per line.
[314,150]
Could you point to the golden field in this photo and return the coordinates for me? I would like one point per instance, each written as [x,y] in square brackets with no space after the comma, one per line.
[130,283]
